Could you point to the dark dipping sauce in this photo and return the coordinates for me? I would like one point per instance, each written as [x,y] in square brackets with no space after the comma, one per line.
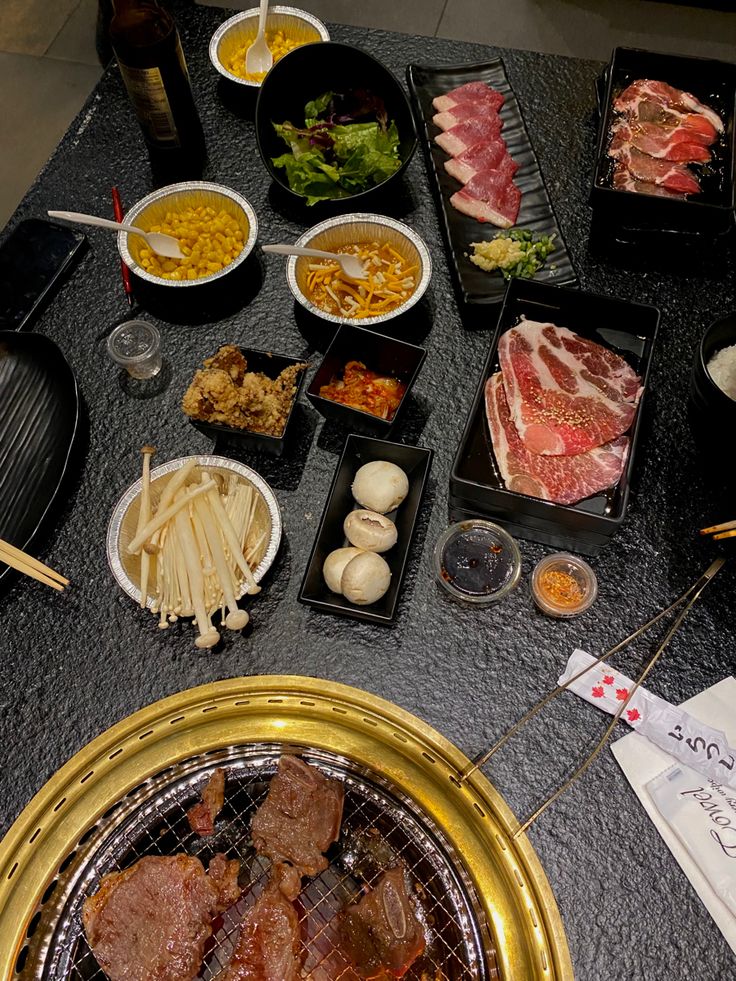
[476,562]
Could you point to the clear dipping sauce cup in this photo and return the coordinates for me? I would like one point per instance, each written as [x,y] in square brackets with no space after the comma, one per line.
[477,562]
[136,346]
[563,585]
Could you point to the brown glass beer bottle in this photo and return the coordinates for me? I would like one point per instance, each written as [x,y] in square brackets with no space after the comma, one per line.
[148,51]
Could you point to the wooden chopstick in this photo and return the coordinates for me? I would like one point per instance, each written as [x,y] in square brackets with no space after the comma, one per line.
[726,526]
[27,564]
[726,534]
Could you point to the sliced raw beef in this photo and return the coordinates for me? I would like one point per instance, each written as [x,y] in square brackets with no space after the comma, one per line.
[662,142]
[489,196]
[153,919]
[668,98]
[269,945]
[488,155]
[381,934]
[565,394]
[466,134]
[623,181]
[470,92]
[562,479]
[300,817]
[458,114]
[672,176]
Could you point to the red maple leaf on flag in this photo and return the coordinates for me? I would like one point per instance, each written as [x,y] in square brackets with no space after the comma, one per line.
[597,692]
[622,694]
[633,715]
[607,679]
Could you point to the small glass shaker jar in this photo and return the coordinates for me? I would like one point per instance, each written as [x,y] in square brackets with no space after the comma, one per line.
[136,346]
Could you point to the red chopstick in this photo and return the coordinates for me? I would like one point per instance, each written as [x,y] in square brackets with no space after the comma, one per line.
[119,214]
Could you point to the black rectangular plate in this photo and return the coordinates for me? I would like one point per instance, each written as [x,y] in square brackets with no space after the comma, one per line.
[714,83]
[415,461]
[473,285]
[630,330]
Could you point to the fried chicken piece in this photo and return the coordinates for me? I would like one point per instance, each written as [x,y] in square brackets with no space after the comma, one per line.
[213,397]
[229,359]
[202,816]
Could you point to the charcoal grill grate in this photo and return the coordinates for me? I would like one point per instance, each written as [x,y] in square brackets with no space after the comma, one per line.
[380,825]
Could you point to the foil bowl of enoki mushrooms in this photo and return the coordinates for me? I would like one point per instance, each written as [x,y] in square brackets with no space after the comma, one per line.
[192,537]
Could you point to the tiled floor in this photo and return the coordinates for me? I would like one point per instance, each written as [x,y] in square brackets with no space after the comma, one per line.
[48,62]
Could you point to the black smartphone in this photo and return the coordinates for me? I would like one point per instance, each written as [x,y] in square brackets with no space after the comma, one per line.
[35,259]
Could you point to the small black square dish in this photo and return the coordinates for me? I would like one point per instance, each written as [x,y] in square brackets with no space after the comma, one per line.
[271,365]
[472,284]
[386,356]
[477,487]
[656,202]
[415,461]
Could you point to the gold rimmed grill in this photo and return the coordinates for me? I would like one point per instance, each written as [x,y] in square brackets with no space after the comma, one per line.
[378,830]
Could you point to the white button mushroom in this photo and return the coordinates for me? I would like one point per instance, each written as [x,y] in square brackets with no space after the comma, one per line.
[380,486]
[370,531]
[335,564]
[365,579]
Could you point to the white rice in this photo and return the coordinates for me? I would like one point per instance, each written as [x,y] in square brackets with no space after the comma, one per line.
[722,369]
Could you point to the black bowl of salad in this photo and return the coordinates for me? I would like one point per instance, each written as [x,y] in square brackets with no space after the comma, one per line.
[333,124]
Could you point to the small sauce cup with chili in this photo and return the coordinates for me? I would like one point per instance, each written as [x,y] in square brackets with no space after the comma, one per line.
[477,562]
[563,585]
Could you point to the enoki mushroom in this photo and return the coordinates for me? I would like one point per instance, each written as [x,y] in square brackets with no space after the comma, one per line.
[206,538]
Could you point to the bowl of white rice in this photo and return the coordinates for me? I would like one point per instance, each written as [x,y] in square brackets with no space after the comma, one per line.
[714,373]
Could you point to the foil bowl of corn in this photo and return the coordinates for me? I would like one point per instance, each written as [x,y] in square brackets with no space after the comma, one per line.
[286,28]
[216,228]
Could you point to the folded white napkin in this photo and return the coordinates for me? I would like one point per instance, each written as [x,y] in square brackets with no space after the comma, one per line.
[641,762]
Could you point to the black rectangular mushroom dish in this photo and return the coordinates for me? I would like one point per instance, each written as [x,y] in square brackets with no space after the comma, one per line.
[550,442]
[359,451]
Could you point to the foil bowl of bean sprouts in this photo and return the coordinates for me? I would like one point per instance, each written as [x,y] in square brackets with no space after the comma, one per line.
[191,537]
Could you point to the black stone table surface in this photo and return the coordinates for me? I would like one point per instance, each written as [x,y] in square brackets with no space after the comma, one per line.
[73,665]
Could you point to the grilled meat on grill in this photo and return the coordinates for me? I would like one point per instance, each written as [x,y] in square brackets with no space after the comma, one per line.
[381,935]
[151,921]
[268,947]
[202,816]
[300,817]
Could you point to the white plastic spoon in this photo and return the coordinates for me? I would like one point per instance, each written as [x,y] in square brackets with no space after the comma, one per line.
[165,245]
[258,57]
[351,265]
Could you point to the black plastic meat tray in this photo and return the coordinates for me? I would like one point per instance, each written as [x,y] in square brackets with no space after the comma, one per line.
[714,84]
[476,485]
[473,285]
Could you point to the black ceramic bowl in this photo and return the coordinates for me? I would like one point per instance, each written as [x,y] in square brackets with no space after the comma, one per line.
[384,355]
[711,402]
[306,73]
[270,365]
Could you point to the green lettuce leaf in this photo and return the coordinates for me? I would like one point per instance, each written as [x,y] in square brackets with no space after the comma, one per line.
[314,109]
[310,174]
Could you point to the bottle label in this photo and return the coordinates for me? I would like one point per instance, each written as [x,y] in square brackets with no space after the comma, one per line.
[147,93]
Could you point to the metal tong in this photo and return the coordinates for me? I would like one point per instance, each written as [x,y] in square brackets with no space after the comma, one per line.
[686,600]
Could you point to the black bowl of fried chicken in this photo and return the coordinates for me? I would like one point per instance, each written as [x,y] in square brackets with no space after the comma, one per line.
[245,397]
